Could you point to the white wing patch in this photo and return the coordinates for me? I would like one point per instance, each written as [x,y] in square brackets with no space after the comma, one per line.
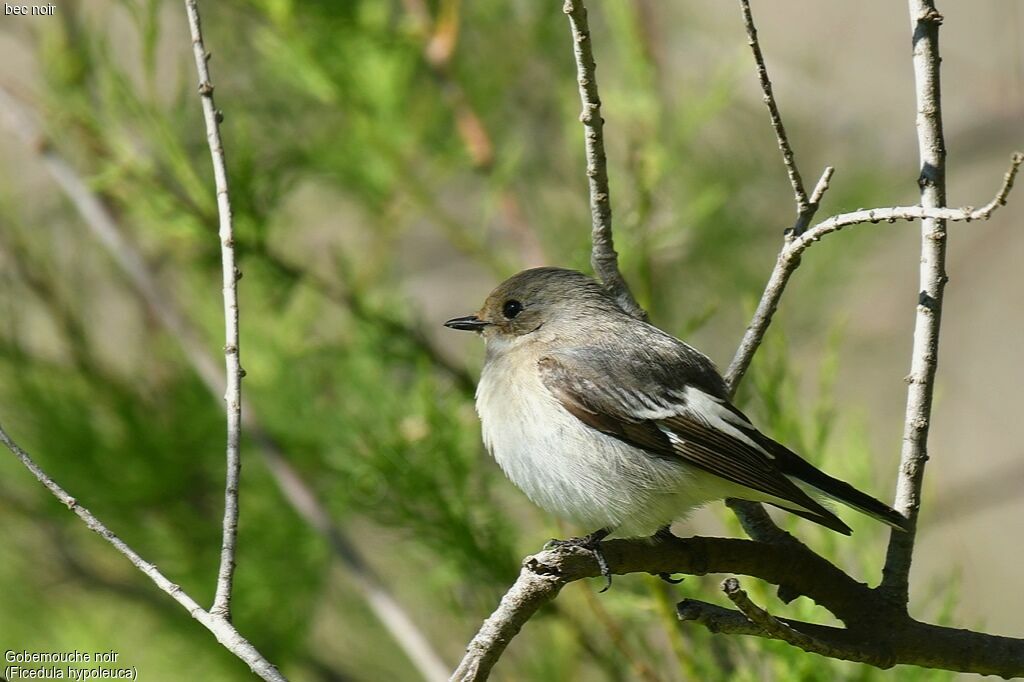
[718,416]
[673,437]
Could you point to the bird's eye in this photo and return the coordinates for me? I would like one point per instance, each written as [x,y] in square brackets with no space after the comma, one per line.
[511,308]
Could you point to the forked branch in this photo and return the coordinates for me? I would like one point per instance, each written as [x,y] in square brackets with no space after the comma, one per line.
[221,628]
[866,611]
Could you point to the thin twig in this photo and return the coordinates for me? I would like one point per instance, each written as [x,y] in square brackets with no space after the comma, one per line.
[603,258]
[789,257]
[773,110]
[232,350]
[752,514]
[770,624]
[805,211]
[819,639]
[531,591]
[222,629]
[894,213]
[296,491]
[925,21]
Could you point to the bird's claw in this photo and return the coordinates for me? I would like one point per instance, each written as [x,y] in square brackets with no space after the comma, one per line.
[591,543]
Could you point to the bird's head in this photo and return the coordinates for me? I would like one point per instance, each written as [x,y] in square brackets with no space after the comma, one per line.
[554,299]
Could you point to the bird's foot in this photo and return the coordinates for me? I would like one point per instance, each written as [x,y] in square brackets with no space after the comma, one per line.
[591,543]
[664,534]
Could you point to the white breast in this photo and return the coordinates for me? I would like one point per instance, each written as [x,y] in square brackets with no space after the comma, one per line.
[572,470]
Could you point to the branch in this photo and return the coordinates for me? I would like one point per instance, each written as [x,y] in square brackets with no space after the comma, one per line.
[864,610]
[752,515]
[603,258]
[231,275]
[778,629]
[789,257]
[850,601]
[802,204]
[925,21]
[779,558]
[161,304]
[221,628]
[811,637]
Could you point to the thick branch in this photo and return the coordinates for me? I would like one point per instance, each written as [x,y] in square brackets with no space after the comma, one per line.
[222,629]
[231,275]
[925,21]
[603,259]
[868,611]
[906,641]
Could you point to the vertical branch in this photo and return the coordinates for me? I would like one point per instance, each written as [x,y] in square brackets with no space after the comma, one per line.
[224,631]
[806,208]
[925,20]
[231,274]
[603,259]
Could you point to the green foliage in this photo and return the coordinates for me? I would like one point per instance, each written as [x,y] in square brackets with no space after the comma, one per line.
[353,179]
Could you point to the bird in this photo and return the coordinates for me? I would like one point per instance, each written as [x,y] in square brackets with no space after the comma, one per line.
[609,422]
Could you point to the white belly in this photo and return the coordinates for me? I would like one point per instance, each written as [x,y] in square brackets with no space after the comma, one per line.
[574,471]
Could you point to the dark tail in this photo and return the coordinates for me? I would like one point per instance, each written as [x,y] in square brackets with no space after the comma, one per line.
[801,471]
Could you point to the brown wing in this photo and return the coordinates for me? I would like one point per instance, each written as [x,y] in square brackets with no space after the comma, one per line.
[670,416]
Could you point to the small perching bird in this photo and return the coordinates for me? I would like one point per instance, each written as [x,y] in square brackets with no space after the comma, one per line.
[613,424]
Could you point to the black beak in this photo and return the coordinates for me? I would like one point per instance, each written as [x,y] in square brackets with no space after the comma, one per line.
[469,323]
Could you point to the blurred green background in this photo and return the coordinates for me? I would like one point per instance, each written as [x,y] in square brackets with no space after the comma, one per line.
[392,160]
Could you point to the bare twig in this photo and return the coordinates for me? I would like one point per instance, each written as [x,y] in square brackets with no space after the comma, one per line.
[813,638]
[789,257]
[603,258]
[161,304]
[232,350]
[800,195]
[777,629]
[752,515]
[925,21]
[805,211]
[221,628]
[532,590]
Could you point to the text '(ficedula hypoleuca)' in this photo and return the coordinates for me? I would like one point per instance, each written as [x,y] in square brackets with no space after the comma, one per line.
[611,423]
